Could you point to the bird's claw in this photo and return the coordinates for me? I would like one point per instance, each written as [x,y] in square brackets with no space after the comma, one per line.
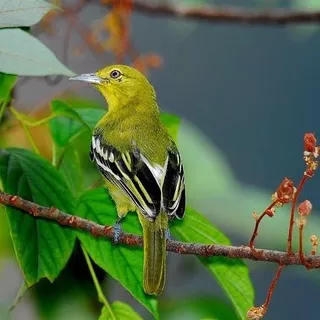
[168,234]
[117,230]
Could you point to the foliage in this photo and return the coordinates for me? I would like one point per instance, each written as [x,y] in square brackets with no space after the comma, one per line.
[232,275]
[37,243]
[30,176]
[20,52]
[43,248]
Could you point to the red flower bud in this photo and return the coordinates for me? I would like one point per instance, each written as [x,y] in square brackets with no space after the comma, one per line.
[310,142]
[286,191]
[305,208]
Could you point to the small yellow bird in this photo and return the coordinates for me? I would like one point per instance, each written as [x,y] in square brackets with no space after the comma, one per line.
[140,162]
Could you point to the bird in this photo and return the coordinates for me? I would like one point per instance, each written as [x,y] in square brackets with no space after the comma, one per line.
[140,163]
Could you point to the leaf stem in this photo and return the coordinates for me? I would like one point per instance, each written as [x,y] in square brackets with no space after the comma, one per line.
[30,122]
[54,154]
[3,106]
[40,122]
[16,114]
[23,288]
[30,138]
[101,296]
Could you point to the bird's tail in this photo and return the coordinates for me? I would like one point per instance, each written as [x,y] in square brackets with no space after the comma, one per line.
[154,247]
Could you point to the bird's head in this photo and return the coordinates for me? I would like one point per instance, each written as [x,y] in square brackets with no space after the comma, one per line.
[120,85]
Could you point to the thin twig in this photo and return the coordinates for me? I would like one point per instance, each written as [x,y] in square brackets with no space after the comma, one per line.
[226,14]
[259,312]
[293,209]
[22,289]
[98,230]
[256,227]
[273,286]
[301,254]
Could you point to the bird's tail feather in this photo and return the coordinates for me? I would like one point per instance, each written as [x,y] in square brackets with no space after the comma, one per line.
[154,266]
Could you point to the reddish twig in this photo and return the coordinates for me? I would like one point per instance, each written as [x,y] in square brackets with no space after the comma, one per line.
[256,227]
[174,246]
[301,254]
[256,313]
[283,195]
[304,210]
[272,287]
[293,208]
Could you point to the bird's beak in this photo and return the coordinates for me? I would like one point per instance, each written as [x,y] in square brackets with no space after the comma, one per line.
[88,77]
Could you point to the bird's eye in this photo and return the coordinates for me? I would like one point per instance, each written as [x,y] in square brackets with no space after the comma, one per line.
[115,74]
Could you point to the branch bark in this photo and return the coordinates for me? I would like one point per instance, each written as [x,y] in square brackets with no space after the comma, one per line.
[227,14]
[97,230]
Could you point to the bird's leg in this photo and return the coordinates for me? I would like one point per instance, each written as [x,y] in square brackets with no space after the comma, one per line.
[117,230]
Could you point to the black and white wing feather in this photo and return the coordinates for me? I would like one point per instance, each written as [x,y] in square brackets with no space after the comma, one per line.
[173,187]
[151,187]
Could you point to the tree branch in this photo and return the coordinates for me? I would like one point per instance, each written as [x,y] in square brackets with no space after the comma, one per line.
[226,14]
[97,230]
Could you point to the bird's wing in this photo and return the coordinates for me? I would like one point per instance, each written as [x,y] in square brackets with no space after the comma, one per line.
[150,186]
[173,187]
[132,173]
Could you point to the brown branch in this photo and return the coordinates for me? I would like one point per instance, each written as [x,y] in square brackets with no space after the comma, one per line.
[226,14]
[98,230]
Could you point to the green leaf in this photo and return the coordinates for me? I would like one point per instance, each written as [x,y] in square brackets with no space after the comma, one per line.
[22,54]
[73,129]
[63,109]
[42,247]
[172,123]
[64,130]
[72,122]
[91,116]
[5,240]
[17,13]
[199,306]
[76,102]
[68,125]
[121,311]
[231,274]
[122,263]
[7,81]
[71,170]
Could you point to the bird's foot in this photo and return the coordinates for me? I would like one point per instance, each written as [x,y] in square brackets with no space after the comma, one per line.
[168,234]
[117,229]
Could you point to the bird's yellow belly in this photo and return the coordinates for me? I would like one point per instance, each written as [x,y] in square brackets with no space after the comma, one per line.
[123,203]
